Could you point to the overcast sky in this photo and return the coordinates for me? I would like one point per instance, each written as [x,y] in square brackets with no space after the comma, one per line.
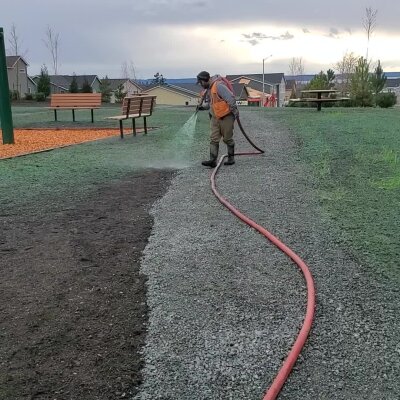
[178,38]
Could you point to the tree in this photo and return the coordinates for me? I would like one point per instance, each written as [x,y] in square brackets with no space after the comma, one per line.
[322,80]
[52,42]
[105,90]
[86,88]
[346,67]
[330,75]
[43,85]
[369,24]
[15,50]
[120,94]
[378,80]
[15,43]
[296,68]
[128,70]
[73,87]
[158,79]
[361,88]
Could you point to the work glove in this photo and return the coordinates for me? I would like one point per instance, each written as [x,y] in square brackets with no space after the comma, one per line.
[200,108]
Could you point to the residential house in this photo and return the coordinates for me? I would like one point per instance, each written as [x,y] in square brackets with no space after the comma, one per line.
[129,86]
[291,89]
[393,85]
[174,95]
[274,85]
[17,73]
[32,86]
[61,83]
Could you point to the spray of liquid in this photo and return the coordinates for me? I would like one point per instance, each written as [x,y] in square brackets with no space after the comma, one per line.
[176,152]
[189,128]
[181,144]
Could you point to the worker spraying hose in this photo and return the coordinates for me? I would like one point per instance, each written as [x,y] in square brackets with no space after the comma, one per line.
[219,99]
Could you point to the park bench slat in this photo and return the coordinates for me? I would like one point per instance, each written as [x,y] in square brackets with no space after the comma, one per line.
[73,101]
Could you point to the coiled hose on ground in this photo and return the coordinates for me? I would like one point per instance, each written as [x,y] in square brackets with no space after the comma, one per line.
[288,364]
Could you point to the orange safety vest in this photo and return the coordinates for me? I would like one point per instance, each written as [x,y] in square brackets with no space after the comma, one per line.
[220,106]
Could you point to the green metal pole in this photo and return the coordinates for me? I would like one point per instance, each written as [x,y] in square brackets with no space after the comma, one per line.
[5,104]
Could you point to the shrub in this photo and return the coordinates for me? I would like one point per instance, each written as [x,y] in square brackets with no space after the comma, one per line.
[40,96]
[28,96]
[14,95]
[386,100]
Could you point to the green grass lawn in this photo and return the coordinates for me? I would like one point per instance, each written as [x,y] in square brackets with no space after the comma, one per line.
[354,155]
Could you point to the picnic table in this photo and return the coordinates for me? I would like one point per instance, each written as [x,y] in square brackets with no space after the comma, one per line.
[319,99]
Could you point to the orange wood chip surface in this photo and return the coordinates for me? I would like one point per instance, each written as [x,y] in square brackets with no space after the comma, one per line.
[30,141]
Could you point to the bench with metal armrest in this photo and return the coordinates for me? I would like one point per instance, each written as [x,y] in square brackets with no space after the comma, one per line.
[133,108]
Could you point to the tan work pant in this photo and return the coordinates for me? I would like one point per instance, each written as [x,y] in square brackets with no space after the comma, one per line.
[222,128]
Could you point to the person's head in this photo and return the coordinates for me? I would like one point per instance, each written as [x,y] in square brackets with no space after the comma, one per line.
[203,79]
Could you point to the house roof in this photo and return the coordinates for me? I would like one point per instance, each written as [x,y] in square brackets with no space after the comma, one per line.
[64,81]
[30,78]
[290,84]
[12,60]
[191,87]
[173,88]
[274,79]
[393,83]
[115,82]
[238,90]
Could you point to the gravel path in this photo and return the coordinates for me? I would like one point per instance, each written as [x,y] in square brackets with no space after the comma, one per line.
[226,305]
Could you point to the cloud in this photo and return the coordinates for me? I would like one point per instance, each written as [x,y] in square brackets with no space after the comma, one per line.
[254,42]
[256,36]
[286,36]
[333,33]
[305,30]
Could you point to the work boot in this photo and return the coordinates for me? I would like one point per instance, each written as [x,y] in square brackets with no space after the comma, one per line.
[212,162]
[231,155]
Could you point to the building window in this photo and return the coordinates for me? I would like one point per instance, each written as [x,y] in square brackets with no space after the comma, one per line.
[22,71]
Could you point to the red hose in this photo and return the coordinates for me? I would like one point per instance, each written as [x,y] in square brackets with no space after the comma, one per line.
[288,364]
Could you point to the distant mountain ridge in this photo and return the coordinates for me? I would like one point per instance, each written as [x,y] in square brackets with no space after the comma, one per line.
[169,81]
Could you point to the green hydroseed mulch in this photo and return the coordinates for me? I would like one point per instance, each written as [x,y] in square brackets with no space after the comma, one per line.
[354,155]
[46,178]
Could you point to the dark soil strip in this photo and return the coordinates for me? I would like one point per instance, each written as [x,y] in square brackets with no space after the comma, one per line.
[73,308]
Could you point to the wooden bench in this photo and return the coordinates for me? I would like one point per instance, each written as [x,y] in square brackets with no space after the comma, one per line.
[140,106]
[75,101]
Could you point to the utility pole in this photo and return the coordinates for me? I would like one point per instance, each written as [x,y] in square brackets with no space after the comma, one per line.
[263,95]
[5,104]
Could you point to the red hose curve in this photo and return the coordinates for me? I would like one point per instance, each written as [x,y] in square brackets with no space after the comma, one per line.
[288,364]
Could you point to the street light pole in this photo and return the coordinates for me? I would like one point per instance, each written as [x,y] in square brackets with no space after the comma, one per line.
[263,95]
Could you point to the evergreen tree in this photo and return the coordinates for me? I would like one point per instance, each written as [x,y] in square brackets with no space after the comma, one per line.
[120,94]
[43,85]
[361,87]
[73,87]
[158,79]
[86,88]
[105,90]
[322,81]
[378,79]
